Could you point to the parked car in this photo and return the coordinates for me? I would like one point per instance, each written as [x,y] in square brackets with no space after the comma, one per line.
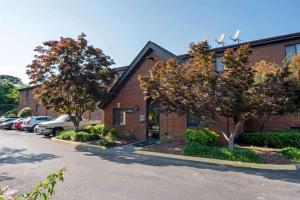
[7,123]
[30,122]
[6,119]
[63,122]
[18,124]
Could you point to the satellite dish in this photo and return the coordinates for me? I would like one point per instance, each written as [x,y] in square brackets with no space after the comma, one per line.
[236,37]
[220,39]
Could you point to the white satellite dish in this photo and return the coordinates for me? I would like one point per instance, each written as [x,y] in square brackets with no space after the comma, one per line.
[236,37]
[220,39]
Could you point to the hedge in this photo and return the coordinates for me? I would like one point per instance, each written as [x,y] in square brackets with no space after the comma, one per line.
[274,139]
[201,136]
[224,153]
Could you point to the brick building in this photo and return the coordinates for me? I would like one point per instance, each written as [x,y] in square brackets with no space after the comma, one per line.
[27,100]
[127,110]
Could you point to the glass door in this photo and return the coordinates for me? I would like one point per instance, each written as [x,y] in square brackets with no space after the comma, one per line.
[152,121]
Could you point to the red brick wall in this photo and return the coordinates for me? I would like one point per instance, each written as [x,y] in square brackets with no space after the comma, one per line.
[131,95]
[31,102]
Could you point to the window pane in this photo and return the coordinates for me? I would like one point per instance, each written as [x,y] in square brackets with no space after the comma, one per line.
[290,51]
[196,122]
[298,48]
[219,64]
[118,116]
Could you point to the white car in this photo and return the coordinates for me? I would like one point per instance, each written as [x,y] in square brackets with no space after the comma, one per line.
[63,122]
[30,122]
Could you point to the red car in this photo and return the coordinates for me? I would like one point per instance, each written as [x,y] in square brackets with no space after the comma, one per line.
[18,124]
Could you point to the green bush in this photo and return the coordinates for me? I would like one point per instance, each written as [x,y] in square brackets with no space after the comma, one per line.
[292,153]
[97,129]
[167,138]
[125,135]
[236,154]
[274,139]
[84,137]
[79,137]
[25,112]
[105,142]
[66,135]
[113,134]
[201,136]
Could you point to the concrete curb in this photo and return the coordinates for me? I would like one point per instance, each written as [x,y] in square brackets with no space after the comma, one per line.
[220,162]
[78,143]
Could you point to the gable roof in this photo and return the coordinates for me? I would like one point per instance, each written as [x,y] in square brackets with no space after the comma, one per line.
[254,43]
[150,46]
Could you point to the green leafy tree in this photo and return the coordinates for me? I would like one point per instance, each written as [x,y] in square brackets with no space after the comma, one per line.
[12,79]
[194,86]
[9,97]
[72,76]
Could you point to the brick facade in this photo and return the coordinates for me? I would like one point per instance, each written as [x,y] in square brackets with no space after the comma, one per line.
[130,95]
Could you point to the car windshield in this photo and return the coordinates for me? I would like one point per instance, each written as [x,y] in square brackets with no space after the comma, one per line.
[62,118]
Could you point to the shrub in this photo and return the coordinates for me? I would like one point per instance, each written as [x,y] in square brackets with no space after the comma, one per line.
[275,139]
[97,129]
[236,154]
[113,134]
[66,135]
[292,153]
[84,137]
[125,135]
[105,142]
[201,136]
[25,112]
[167,138]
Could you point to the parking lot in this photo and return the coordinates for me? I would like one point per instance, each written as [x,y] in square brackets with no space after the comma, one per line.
[26,158]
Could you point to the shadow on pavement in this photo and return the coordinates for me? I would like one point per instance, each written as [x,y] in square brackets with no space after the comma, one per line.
[4,177]
[124,155]
[16,156]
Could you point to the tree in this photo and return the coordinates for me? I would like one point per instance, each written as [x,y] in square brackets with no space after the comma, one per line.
[72,76]
[274,91]
[25,112]
[9,97]
[12,79]
[195,87]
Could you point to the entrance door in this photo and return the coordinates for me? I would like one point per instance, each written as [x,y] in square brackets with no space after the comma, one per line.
[152,121]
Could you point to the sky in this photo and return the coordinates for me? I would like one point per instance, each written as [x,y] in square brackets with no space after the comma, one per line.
[122,27]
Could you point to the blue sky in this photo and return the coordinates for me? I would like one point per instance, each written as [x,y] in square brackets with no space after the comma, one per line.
[122,27]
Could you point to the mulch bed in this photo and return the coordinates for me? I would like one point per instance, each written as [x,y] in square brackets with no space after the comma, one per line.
[269,155]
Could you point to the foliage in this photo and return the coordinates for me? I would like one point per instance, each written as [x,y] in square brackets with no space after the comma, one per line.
[236,154]
[113,134]
[201,136]
[167,138]
[274,91]
[275,139]
[292,153]
[79,136]
[126,135]
[12,79]
[12,113]
[66,135]
[84,137]
[106,142]
[97,129]
[194,86]
[72,76]
[9,97]
[44,189]
[25,112]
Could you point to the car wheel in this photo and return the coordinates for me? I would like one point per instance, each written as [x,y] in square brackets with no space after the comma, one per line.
[56,131]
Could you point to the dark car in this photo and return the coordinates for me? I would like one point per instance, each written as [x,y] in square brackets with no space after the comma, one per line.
[7,123]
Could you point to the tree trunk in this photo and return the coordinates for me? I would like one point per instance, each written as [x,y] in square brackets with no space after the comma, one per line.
[262,124]
[235,131]
[231,142]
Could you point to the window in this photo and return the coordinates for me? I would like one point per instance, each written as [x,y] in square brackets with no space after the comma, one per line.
[118,116]
[219,64]
[292,50]
[196,122]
